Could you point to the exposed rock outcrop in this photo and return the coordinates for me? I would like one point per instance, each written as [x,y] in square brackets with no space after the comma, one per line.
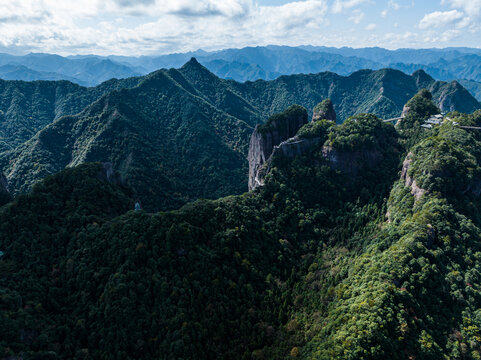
[416,191]
[324,110]
[295,147]
[108,174]
[278,128]
[351,162]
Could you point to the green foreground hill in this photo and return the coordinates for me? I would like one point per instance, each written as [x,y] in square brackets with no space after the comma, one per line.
[312,265]
[180,134]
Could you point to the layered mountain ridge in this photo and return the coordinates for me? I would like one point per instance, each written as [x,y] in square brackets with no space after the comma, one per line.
[181,134]
[334,257]
[249,64]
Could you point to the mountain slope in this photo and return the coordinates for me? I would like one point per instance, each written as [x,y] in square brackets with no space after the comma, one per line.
[179,135]
[27,107]
[211,280]
[473,87]
[383,92]
[20,72]
[169,142]
[88,70]
[380,264]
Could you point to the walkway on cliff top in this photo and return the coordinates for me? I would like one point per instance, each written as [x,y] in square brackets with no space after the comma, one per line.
[462,127]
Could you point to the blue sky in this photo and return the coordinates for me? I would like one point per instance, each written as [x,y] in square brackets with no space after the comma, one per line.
[137,27]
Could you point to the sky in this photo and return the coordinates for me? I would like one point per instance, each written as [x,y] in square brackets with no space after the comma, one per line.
[150,27]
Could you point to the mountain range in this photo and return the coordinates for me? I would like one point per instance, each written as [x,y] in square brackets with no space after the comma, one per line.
[249,64]
[181,134]
[363,241]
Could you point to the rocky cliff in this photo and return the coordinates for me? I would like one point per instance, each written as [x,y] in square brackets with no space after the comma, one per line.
[274,139]
[416,191]
[295,147]
[279,128]
[324,110]
[351,162]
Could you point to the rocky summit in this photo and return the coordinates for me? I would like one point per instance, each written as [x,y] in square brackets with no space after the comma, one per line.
[266,137]
[324,110]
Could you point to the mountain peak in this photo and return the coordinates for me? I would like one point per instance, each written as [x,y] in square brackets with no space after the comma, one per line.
[422,78]
[192,63]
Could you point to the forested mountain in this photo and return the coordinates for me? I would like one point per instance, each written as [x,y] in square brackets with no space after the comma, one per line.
[324,261]
[27,107]
[473,87]
[88,71]
[180,135]
[20,72]
[464,67]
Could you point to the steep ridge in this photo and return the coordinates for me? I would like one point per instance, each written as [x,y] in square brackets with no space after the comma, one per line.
[152,134]
[383,92]
[307,266]
[211,280]
[266,137]
[183,129]
[27,107]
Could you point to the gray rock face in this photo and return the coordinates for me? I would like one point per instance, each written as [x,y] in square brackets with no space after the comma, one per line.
[295,147]
[324,110]
[351,162]
[108,174]
[416,191]
[265,138]
[405,111]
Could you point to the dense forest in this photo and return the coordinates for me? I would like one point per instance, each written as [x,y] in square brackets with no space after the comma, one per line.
[376,262]
[181,134]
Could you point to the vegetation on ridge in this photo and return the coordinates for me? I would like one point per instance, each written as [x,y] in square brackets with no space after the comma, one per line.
[314,264]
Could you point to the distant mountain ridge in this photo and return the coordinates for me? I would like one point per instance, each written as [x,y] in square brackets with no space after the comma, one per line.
[181,134]
[249,63]
[89,71]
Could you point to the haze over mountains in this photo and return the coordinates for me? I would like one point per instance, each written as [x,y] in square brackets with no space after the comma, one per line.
[251,63]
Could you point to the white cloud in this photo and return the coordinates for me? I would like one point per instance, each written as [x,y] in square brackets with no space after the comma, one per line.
[440,18]
[449,35]
[341,5]
[135,27]
[154,26]
[400,4]
[394,5]
[371,27]
[356,17]
[471,7]
[472,13]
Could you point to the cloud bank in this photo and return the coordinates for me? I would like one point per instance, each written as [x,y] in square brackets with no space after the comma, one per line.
[135,27]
